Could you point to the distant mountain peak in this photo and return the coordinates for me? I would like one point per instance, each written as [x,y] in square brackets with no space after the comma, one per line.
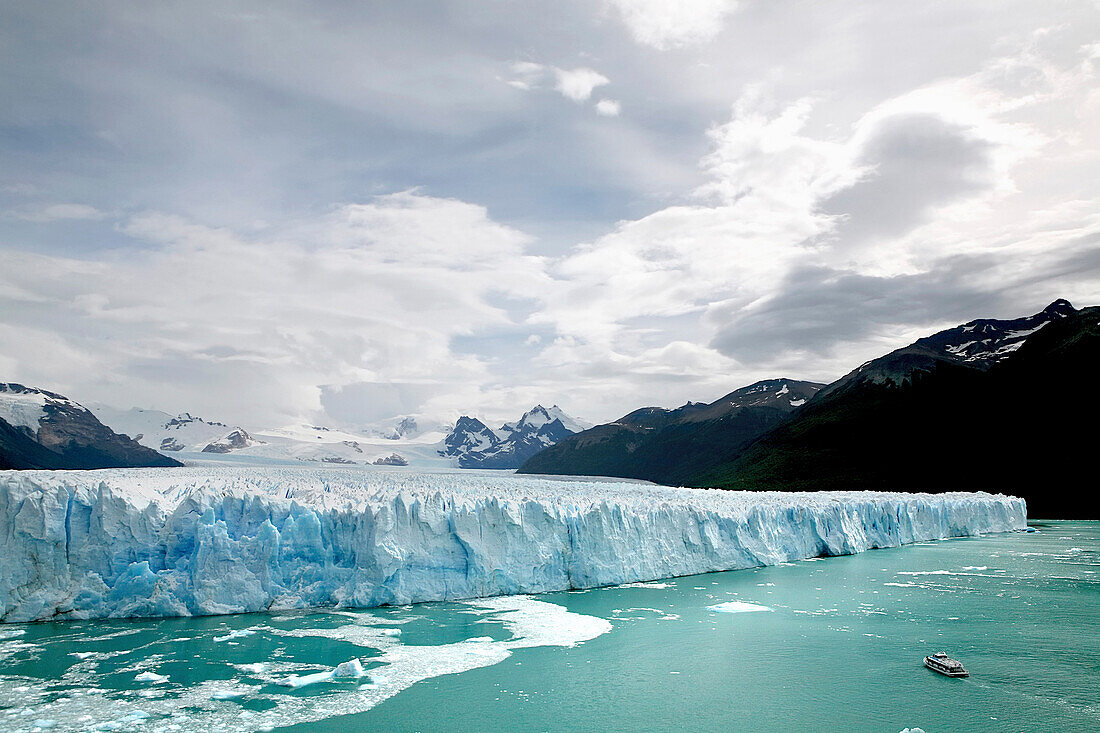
[1060,307]
[475,445]
[233,440]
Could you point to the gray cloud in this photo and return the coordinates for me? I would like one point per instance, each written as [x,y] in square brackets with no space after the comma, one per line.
[822,311]
[916,163]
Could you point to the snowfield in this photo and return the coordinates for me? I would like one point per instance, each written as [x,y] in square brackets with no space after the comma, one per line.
[212,540]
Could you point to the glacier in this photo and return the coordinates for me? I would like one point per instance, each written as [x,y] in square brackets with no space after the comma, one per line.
[216,540]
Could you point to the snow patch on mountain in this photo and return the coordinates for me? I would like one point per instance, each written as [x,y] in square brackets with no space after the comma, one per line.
[22,407]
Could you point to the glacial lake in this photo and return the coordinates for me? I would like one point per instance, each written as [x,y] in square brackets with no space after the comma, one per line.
[828,644]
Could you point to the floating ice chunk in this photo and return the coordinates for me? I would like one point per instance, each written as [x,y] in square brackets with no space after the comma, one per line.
[233,691]
[44,723]
[153,677]
[127,720]
[661,615]
[82,655]
[295,681]
[350,668]
[238,634]
[252,668]
[645,585]
[737,607]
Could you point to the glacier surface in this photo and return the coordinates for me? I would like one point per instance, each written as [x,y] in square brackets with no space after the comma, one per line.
[200,541]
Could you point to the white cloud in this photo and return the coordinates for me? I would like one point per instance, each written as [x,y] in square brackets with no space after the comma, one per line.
[60,212]
[608,107]
[921,185]
[250,327]
[527,75]
[578,84]
[666,24]
[575,84]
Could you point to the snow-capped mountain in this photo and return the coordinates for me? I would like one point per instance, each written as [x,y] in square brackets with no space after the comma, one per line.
[474,445]
[194,439]
[234,440]
[979,344]
[183,433]
[538,416]
[41,429]
[398,441]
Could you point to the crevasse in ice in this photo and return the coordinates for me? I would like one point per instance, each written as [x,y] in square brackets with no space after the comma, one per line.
[181,542]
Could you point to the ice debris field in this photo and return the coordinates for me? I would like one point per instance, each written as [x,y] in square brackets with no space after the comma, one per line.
[101,691]
[203,541]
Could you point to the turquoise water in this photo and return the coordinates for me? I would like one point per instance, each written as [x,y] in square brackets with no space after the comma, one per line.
[840,649]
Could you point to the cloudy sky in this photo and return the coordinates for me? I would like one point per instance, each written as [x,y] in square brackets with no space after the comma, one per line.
[266,212]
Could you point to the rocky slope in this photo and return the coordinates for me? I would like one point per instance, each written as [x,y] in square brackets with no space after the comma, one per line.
[665,446]
[41,429]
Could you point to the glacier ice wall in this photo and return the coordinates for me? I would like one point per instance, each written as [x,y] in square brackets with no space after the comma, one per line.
[197,541]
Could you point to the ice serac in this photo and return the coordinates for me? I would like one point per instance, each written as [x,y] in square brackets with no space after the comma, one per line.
[125,542]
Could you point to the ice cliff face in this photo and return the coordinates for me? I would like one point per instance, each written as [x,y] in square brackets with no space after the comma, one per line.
[121,543]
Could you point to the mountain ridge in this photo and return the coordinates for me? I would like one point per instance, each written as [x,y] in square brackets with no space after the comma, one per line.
[984,424]
[651,443]
[40,429]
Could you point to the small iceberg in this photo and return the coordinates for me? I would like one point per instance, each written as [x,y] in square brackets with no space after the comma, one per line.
[295,681]
[238,634]
[350,668]
[153,677]
[737,607]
